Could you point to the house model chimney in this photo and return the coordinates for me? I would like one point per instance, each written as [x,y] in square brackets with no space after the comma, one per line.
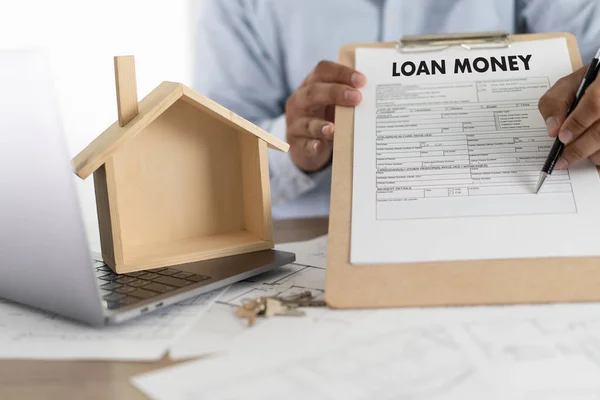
[127,100]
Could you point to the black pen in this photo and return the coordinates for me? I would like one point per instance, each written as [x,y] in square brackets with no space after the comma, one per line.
[558,146]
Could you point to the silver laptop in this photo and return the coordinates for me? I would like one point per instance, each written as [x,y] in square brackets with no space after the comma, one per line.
[45,261]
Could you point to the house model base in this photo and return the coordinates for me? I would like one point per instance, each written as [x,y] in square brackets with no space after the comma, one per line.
[178,179]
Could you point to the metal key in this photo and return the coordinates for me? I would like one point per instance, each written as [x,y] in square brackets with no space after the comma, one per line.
[308,303]
[251,309]
[303,299]
[276,307]
[297,297]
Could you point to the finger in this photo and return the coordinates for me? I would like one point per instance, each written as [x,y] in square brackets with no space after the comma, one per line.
[583,116]
[311,128]
[555,103]
[310,154]
[327,71]
[326,94]
[316,147]
[595,158]
[309,146]
[582,148]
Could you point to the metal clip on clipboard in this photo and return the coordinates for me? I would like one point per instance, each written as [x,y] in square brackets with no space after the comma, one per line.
[427,43]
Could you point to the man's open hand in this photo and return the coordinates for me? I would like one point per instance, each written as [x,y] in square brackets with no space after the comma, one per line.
[310,112]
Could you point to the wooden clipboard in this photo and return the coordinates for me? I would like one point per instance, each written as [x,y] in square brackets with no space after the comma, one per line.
[513,281]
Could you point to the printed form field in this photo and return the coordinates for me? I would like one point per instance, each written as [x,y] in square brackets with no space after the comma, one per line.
[441,142]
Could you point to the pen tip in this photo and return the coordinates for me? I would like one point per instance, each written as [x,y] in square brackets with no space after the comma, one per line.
[541,181]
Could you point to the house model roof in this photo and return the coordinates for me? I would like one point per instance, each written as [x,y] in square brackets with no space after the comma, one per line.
[150,108]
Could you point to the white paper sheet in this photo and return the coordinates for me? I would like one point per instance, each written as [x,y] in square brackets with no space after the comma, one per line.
[446,159]
[220,328]
[517,352]
[29,334]
[520,352]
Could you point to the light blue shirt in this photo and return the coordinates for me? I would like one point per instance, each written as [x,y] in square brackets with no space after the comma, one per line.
[250,55]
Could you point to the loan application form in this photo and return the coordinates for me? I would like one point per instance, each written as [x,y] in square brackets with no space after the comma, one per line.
[447,151]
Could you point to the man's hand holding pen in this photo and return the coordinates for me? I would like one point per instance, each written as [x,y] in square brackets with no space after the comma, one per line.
[572,112]
[580,131]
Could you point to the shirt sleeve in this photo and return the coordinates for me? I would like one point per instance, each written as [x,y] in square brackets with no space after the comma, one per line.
[238,62]
[579,17]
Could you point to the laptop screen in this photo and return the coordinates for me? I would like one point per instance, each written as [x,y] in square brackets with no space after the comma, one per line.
[44,257]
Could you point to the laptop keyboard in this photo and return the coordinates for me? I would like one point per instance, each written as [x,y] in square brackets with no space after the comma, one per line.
[127,289]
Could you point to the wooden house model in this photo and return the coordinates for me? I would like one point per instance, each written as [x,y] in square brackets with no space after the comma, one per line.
[178,178]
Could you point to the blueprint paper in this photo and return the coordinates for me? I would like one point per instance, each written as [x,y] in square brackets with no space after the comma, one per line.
[30,334]
[524,353]
[219,329]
